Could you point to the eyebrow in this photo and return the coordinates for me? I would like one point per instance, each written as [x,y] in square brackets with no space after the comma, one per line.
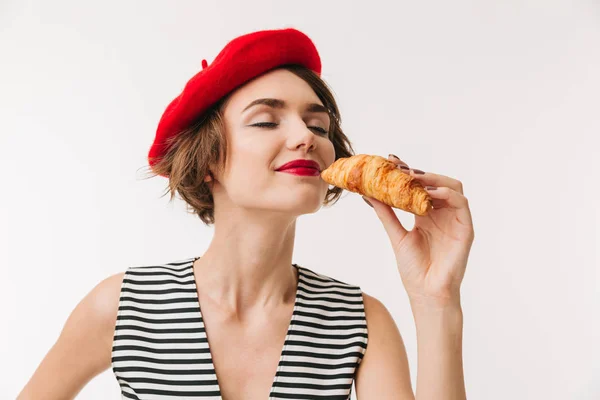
[278,104]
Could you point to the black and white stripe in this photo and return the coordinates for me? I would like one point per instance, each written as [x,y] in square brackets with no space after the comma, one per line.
[160,349]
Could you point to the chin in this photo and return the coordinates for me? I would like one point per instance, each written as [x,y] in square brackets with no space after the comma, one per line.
[300,204]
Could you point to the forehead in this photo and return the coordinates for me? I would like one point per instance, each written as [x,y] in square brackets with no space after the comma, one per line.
[277,84]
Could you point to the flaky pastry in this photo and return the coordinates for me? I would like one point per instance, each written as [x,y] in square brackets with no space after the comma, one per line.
[379,178]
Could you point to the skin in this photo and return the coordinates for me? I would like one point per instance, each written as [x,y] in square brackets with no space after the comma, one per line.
[245,281]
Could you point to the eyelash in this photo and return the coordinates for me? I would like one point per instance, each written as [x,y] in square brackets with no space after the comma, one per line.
[273,125]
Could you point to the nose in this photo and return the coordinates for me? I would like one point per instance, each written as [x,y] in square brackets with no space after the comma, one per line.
[302,136]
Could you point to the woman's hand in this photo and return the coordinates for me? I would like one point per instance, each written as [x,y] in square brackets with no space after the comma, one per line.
[432,257]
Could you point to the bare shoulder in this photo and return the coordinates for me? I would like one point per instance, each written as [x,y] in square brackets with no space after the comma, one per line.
[384,371]
[374,308]
[380,325]
[103,300]
[97,311]
[83,348]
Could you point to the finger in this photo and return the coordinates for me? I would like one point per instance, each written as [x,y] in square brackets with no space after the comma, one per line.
[437,203]
[402,166]
[445,197]
[437,180]
[392,225]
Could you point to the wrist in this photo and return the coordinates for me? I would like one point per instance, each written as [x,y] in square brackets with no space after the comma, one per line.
[437,302]
[445,310]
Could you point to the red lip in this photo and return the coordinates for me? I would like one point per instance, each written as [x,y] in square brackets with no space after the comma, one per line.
[301,164]
[302,171]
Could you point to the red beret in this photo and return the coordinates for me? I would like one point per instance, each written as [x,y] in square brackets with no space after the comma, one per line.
[241,60]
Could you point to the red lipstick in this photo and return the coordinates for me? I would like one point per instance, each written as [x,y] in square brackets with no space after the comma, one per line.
[301,167]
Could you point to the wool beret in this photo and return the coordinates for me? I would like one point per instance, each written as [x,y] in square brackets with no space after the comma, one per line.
[242,59]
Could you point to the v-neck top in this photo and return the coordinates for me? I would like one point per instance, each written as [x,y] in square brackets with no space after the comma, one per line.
[161,351]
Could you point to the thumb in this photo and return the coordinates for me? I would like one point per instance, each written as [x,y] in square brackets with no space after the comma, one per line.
[392,225]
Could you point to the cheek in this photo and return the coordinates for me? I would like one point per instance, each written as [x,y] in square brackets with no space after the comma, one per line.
[328,155]
[252,169]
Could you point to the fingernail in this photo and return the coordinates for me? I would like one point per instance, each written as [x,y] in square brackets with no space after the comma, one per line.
[392,155]
[418,171]
[404,167]
[430,187]
[367,201]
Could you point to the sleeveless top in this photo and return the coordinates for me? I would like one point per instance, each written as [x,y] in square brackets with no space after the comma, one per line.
[161,351]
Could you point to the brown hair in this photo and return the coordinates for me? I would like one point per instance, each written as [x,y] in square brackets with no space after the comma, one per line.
[204,144]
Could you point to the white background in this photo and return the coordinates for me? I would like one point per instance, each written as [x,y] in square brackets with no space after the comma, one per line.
[503,95]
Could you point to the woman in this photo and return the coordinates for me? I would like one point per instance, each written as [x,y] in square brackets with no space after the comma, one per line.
[276,329]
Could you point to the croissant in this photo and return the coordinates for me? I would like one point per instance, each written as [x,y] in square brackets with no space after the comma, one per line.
[379,178]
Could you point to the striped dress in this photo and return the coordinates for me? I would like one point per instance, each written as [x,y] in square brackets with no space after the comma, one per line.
[160,348]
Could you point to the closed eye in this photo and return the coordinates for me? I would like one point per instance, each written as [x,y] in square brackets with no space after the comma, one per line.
[318,128]
[273,125]
[265,124]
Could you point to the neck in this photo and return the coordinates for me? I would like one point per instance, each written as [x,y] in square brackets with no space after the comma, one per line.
[248,264]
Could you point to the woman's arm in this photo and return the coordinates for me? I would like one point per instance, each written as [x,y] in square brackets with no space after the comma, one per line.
[83,349]
[431,259]
[384,372]
[439,347]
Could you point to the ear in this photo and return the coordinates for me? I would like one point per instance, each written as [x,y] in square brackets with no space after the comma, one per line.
[209,175]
